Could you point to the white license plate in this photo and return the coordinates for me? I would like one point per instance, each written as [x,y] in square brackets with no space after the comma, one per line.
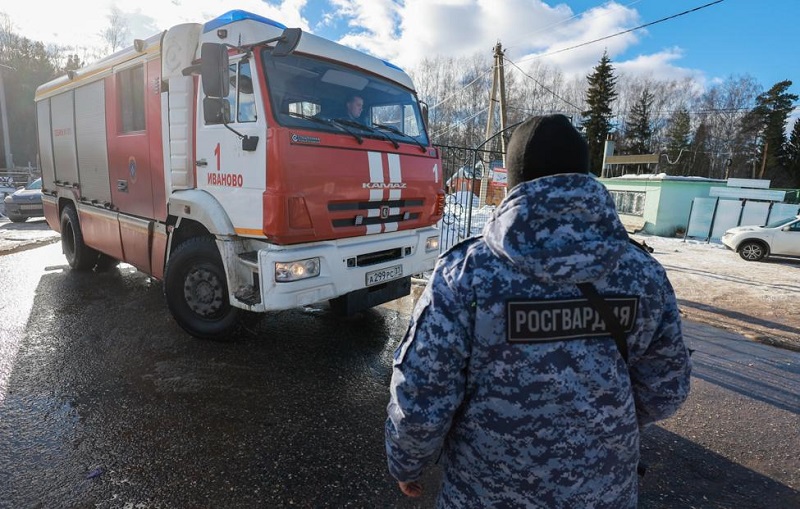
[377,277]
[30,207]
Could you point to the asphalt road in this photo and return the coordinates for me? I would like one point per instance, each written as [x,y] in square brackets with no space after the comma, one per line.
[105,402]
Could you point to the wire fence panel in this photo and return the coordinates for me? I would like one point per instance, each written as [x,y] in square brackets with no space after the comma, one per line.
[466,208]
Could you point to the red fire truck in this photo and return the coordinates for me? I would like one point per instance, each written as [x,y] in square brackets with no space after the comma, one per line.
[219,158]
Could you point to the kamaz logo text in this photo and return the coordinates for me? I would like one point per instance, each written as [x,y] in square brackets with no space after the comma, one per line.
[383,185]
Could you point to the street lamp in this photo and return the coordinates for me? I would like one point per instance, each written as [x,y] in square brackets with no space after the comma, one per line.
[6,143]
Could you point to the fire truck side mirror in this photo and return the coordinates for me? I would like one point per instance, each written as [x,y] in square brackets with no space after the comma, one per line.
[424,109]
[287,42]
[214,69]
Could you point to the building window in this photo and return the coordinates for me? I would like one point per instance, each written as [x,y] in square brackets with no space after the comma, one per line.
[131,94]
[629,202]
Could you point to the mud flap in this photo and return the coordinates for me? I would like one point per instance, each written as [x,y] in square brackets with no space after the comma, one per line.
[366,298]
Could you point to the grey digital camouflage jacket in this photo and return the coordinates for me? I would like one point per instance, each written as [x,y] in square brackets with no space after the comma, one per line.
[486,383]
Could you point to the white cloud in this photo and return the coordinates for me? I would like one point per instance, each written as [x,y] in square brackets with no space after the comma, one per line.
[58,23]
[566,48]
[372,25]
[660,66]
[407,32]
[54,23]
[404,32]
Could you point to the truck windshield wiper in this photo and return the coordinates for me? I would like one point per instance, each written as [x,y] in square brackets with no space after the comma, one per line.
[400,133]
[359,125]
[328,122]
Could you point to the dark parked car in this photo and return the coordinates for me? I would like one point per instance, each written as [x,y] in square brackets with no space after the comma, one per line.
[25,202]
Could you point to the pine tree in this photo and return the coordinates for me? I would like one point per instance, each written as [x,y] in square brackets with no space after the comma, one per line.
[597,119]
[678,142]
[770,115]
[639,131]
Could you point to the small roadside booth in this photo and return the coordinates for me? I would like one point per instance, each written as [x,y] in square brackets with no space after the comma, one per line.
[657,204]
[667,206]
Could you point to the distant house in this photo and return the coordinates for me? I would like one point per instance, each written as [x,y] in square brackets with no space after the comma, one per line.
[468,178]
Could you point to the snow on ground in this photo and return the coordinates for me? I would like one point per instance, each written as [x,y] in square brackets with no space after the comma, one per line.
[17,236]
[716,286]
[461,216]
[717,270]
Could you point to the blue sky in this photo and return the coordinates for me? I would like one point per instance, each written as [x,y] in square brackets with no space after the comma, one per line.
[732,37]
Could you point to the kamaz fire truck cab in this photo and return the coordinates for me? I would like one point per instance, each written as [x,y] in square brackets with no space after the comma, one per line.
[228,168]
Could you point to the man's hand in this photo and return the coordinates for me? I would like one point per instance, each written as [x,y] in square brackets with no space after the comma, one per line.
[411,489]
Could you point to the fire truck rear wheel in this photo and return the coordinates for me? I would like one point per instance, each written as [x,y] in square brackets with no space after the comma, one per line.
[197,291]
[78,254]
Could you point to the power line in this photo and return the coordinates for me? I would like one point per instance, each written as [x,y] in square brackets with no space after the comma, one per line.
[460,122]
[601,39]
[578,109]
[543,29]
[540,111]
[455,94]
[702,110]
[625,31]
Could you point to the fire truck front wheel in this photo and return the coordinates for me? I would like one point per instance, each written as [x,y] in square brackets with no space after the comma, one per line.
[197,292]
[78,254]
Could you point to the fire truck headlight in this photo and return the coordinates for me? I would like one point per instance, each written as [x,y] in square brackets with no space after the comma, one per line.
[294,271]
[432,244]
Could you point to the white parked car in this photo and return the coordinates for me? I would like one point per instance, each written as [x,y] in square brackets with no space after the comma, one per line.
[753,243]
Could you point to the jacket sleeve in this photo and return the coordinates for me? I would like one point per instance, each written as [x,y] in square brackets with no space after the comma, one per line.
[660,376]
[428,379]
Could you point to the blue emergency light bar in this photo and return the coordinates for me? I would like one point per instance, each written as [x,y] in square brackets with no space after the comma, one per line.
[238,15]
[393,66]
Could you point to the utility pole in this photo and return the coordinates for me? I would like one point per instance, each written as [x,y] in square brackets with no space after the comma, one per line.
[498,83]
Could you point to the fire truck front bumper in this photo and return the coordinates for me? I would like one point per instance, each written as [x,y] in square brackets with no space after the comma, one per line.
[355,273]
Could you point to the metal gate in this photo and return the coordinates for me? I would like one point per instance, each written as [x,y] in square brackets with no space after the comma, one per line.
[473,185]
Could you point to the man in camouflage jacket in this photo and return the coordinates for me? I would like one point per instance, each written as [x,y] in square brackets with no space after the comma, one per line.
[508,376]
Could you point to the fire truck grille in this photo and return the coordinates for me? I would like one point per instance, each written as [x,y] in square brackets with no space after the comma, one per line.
[365,213]
[340,223]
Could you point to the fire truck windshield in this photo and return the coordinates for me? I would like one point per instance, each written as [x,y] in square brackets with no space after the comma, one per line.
[321,95]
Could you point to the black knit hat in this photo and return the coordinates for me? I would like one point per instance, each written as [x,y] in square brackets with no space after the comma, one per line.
[543,146]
